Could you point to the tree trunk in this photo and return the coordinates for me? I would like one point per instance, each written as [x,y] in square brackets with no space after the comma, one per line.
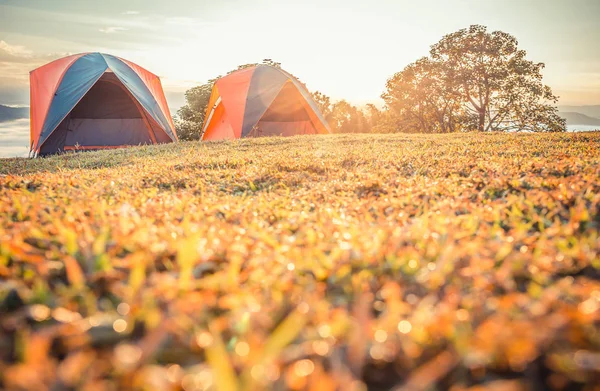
[481,122]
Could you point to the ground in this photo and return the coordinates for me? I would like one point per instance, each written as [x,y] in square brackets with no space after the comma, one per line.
[317,263]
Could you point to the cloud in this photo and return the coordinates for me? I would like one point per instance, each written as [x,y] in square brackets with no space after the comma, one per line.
[16,61]
[15,64]
[14,50]
[112,29]
[17,54]
[9,52]
[131,13]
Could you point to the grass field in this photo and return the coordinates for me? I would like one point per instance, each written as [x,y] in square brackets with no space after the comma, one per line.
[347,262]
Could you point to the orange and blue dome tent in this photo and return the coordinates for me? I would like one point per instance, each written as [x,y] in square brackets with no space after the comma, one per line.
[261,101]
[95,101]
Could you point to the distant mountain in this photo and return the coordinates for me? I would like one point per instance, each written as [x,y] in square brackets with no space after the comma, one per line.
[590,111]
[579,119]
[8,113]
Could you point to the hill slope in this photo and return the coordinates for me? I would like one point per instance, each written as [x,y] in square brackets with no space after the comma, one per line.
[8,113]
[589,110]
[302,262]
[579,119]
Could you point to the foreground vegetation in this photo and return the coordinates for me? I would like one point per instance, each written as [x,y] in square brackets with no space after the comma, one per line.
[308,263]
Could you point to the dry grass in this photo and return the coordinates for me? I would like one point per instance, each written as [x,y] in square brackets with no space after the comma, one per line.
[316,263]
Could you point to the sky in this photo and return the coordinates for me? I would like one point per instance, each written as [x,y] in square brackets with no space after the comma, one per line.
[345,49]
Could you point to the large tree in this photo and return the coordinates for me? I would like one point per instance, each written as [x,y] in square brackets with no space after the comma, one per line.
[473,79]
[423,99]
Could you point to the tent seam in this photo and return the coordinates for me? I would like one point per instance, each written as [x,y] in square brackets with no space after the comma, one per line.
[172,137]
[39,147]
[60,80]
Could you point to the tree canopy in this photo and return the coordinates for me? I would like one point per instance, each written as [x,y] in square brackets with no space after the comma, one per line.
[473,80]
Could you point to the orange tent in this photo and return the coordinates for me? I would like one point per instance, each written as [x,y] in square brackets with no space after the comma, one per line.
[96,101]
[261,101]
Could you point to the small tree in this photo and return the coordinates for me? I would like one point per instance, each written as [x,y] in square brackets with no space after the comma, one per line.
[191,115]
[324,104]
[346,118]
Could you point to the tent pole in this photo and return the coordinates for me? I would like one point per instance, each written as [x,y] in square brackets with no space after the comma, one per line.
[212,111]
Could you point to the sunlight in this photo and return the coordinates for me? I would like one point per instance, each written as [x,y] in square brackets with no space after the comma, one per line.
[304,195]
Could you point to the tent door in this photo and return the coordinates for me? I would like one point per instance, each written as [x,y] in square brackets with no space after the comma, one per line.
[108,116]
